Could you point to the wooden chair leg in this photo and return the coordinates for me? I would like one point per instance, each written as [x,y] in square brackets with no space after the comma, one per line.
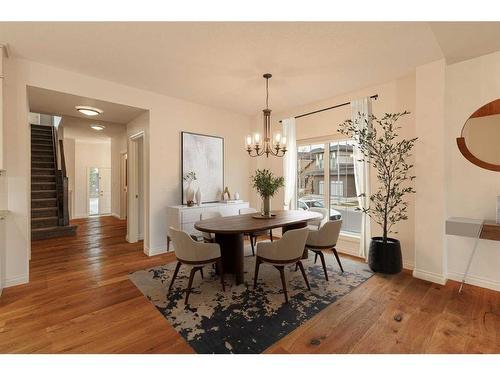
[257,266]
[177,266]
[221,273]
[190,283]
[338,259]
[271,234]
[322,258]
[315,257]
[252,245]
[201,271]
[168,243]
[299,263]
[283,281]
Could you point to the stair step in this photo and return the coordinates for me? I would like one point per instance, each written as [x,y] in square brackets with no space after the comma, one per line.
[45,180]
[41,133]
[44,202]
[40,194]
[43,212]
[41,127]
[42,158]
[44,222]
[35,142]
[35,147]
[51,232]
[42,164]
[43,171]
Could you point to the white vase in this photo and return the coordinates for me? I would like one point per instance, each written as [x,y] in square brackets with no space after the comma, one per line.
[236,196]
[198,197]
[189,193]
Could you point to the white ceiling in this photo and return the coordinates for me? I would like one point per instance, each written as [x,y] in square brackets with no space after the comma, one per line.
[221,64]
[79,128]
[58,103]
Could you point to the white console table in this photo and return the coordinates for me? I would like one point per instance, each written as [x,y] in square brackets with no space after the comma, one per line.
[183,217]
[475,228]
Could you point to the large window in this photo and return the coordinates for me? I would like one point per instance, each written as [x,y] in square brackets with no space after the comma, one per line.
[329,164]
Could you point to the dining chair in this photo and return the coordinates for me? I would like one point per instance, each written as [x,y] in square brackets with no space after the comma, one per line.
[318,223]
[209,237]
[287,250]
[254,235]
[195,255]
[322,239]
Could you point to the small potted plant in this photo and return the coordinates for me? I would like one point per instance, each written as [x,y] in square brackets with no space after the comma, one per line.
[189,178]
[266,185]
[388,154]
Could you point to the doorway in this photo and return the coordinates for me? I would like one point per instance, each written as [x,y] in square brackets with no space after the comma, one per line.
[99,191]
[136,211]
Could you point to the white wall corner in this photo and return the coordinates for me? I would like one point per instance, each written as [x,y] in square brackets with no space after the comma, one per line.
[430,276]
[157,250]
[18,280]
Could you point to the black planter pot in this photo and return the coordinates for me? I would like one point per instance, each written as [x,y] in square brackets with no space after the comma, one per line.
[385,258]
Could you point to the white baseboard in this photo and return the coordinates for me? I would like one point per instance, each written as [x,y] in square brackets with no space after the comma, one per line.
[430,276]
[408,265]
[155,250]
[482,282]
[18,280]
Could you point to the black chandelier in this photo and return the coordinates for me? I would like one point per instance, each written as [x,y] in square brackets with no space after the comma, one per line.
[258,146]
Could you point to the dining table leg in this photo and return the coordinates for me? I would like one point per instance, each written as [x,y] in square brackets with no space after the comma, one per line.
[303,224]
[232,252]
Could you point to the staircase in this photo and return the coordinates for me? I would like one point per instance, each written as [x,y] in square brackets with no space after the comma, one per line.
[48,219]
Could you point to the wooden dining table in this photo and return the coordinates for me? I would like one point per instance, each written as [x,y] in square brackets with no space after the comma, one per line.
[230,230]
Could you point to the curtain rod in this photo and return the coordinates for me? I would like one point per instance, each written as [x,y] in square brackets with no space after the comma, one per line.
[328,108]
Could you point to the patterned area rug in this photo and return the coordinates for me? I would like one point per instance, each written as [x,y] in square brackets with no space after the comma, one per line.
[244,320]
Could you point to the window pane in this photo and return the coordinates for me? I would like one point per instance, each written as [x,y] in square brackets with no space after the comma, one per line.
[310,176]
[343,195]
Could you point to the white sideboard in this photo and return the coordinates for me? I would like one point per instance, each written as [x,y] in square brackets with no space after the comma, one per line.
[183,217]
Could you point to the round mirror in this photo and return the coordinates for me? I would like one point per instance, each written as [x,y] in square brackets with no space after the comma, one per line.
[480,139]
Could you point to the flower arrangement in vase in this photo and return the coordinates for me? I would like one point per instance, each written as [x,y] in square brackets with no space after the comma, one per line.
[189,178]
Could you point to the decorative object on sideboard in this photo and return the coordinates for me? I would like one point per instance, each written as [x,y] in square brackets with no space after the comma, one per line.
[236,196]
[226,195]
[478,141]
[203,155]
[258,146]
[266,185]
[383,149]
[198,196]
[189,178]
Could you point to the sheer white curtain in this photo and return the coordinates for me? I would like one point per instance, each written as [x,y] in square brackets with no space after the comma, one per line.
[290,163]
[361,111]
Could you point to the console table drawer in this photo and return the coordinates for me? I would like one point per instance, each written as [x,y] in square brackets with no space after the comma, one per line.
[191,215]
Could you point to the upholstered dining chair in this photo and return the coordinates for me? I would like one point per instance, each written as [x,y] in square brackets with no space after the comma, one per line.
[253,236]
[209,237]
[287,250]
[318,223]
[195,255]
[322,239]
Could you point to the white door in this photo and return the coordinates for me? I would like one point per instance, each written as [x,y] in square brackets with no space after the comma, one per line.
[104,191]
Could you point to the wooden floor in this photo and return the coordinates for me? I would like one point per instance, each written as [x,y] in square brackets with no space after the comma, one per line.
[80,300]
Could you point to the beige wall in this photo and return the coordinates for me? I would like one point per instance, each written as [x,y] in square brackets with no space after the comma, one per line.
[167,118]
[394,96]
[118,147]
[430,215]
[471,191]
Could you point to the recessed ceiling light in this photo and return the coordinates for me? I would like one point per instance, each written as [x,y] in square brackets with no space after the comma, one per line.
[89,111]
[97,127]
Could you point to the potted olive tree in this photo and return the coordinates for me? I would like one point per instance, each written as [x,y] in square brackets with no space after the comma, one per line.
[266,185]
[383,149]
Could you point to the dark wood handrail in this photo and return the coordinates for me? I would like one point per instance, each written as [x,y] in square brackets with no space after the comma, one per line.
[63,159]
